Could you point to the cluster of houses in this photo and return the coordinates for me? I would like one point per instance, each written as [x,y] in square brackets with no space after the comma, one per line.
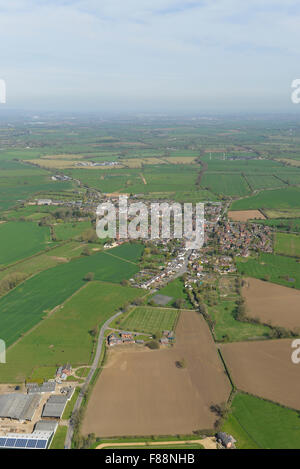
[243,238]
[172,268]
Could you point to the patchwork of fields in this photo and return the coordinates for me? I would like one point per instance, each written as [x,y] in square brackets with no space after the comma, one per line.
[28,303]
[66,334]
[146,394]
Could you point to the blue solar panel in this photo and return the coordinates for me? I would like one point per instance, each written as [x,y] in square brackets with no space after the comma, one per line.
[2,441]
[10,442]
[21,443]
[41,444]
[31,443]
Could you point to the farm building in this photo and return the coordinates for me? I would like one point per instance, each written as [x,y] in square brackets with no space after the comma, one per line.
[227,441]
[19,406]
[114,339]
[55,405]
[34,388]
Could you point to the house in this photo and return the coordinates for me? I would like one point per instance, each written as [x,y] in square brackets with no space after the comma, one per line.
[64,371]
[226,440]
[113,339]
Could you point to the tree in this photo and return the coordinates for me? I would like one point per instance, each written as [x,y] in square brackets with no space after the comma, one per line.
[89,276]
[153,344]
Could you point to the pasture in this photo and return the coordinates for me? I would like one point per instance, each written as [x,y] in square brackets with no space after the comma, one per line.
[19,240]
[265,369]
[145,393]
[259,424]
[287,244]
[65,336]
[150,320]
[228,329]
[64,231]
[272,268]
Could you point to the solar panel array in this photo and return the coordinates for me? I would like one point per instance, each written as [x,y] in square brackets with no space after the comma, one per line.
[22,443]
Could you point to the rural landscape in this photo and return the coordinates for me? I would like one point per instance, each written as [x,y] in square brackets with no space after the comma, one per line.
[117,343]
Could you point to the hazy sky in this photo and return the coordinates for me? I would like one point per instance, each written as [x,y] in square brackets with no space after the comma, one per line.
[159,55]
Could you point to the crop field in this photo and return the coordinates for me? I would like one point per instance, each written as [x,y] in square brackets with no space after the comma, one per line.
[269,267]
[145,393]
[259,424]
[21,239]
[225,184]
[28,303]
[149,319]
[228,329]
[287,244]
[272,304]
[245,215]
[264,182]
[270,199]
[65,336]
[265,369]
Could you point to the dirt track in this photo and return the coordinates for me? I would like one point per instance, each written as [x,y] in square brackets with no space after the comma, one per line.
[207,443]
[272,303]
[144,393]
[265,368]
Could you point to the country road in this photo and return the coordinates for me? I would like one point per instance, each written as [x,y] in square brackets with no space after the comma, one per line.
[89,377]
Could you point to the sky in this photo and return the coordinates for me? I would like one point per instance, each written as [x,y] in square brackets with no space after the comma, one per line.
[150,55]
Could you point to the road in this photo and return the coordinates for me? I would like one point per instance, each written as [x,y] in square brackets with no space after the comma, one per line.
[89,377]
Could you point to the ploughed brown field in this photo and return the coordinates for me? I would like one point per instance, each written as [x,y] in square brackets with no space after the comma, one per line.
[244,215]
[265,368]
[272,303]
[142,392]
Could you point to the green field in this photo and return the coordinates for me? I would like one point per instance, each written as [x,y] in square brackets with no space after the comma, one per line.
[228,329]
[65,231]
[270,199]
[225,184]
[273,268]
[65,336]
[28,303]
[287,244]
[150,320]
[175,290]
[259,424]
[21,239]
